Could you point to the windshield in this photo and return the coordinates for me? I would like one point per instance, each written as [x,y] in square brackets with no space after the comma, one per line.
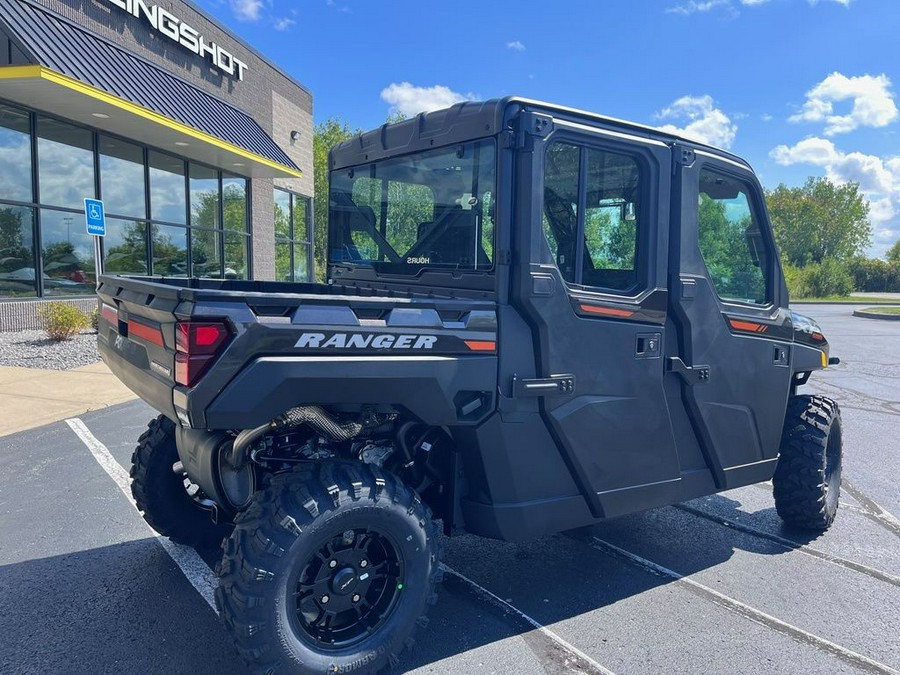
[429,210]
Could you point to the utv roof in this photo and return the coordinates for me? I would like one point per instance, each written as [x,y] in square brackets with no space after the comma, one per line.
[476,119]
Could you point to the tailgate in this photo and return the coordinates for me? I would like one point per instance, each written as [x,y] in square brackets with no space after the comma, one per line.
[136,337]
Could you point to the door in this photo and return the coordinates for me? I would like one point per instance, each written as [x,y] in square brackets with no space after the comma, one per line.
[729,307]
[588,288]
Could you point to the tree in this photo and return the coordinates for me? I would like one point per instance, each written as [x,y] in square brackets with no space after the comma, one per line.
[893,254]
[327,134]
[819,221]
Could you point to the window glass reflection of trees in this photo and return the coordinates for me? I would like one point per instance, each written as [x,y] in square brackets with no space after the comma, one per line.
[67,253]
[17,268]
[122,178]
[65,163]
[15,155]
[234,212]
[125,247]
[292,236]
[204,197]
[169,250]
[167,189]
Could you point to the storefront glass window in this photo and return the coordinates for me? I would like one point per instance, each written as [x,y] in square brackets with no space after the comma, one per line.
[125,247]
[205,260]
[15,155]
[292,242]
[122,178]
[65,163]
[67,253]
[17,268]
[168,200]
[204,197]
[236,255]
[169,245]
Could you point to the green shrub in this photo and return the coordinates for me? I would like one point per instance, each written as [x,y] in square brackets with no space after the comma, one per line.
[819,280]
[797,284]
[875,275]
[828,277]
[95,319]
[62,321]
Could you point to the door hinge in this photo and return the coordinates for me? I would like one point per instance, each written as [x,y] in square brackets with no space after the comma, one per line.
[546,386]
[682,156]
[531,125]
[690,374]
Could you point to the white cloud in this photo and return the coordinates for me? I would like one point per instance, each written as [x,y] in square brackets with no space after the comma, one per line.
[283,23]
[410,100]
[699,6]
[515,45]
[878,178]
[246,10]
[705,122]
[695,6]
[873,103]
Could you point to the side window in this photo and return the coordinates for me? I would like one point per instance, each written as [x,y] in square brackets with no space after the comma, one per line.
[592,207]
[730,240]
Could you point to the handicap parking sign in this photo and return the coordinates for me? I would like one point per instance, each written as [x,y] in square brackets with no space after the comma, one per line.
[94,217]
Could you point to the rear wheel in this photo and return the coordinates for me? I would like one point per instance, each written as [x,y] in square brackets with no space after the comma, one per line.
[807,481]
[329,570]
[169,502]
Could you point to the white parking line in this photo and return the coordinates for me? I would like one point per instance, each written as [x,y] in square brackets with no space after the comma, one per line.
[195,570]
[503,604]
[747,611]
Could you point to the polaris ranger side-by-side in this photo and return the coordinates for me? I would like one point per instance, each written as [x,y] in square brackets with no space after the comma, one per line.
[535,319]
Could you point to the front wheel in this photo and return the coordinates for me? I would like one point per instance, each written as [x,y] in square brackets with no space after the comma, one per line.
[807,480]
[328,570]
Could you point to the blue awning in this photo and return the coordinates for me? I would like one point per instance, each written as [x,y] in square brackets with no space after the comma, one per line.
[130,83]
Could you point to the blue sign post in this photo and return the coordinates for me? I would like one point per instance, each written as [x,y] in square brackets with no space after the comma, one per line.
[95,217]
[95,220]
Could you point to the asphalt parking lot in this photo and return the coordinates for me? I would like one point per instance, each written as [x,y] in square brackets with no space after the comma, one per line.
[715,585]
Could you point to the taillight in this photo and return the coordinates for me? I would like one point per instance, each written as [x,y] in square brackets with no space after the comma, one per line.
[197,344]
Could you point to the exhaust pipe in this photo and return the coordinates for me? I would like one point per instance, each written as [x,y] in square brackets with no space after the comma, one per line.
[315,416]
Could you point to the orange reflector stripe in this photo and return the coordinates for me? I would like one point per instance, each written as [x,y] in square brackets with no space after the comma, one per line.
[748,326]
[481,345]
[110,314]
[607,311]
[152,335]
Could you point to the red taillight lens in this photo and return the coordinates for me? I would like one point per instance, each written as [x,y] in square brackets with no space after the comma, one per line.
[192,337]
[197,344]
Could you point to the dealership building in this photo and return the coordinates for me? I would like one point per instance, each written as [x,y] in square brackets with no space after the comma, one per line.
[199,148]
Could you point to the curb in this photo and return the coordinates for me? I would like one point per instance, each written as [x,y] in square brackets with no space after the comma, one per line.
[862,313]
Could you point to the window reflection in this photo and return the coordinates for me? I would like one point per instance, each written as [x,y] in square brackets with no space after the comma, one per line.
[67,253]
[291,236]
[169,245]
[236,253]
[125,247]
[282,261]
[17,268]
[234,203]
[15,155]
[167,189]
[205,260]
[65,163]
[204,197]
[154,219]
[122,177]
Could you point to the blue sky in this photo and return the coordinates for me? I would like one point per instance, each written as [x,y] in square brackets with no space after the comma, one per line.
[798,87]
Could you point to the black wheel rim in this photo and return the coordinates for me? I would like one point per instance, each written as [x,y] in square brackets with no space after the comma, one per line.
[347,589]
